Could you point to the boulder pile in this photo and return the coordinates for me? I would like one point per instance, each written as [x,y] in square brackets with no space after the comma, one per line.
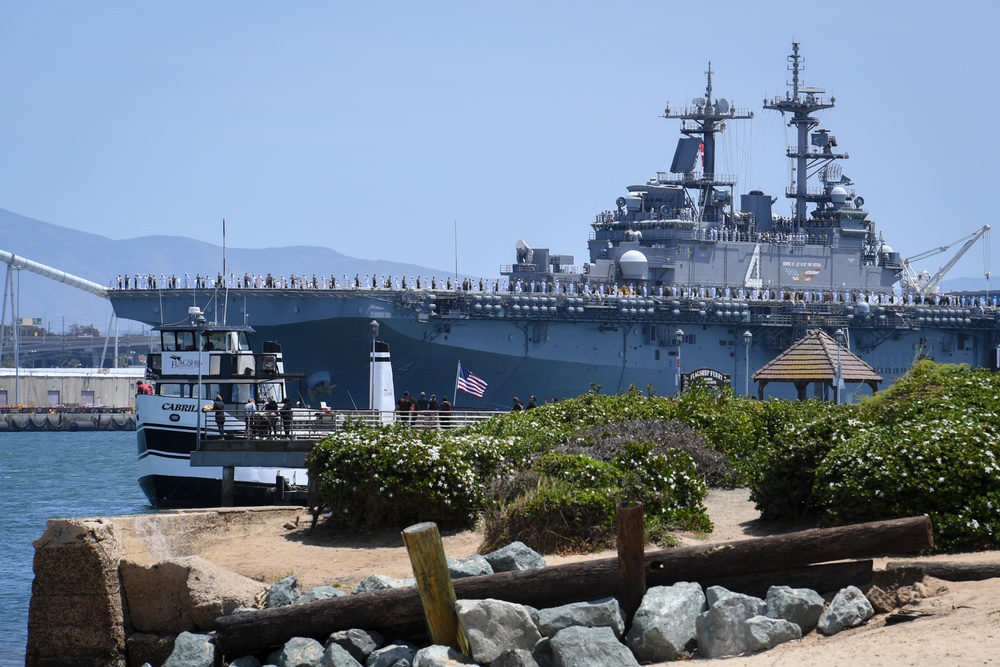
[673,622]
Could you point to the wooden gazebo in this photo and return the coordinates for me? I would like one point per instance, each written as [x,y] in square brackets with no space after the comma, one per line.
[814,358]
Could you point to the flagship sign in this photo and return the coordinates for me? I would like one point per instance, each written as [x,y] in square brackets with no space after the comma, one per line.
[183,363]
[801,272]
[706,376]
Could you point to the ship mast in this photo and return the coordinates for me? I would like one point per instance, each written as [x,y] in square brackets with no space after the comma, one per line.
[801,103]
[706,117]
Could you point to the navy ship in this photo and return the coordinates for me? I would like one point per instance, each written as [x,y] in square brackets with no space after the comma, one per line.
[677,279]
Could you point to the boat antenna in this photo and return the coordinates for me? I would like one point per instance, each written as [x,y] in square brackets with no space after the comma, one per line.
[225,274]
[223,247]
[456,251]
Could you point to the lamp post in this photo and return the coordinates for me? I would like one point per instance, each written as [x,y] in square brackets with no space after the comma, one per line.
[678,341]
[747,340]
[199,320]
[839,335]
[373,330]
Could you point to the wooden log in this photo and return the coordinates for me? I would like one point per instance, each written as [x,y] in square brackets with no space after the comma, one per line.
[631,538]
[950,570]
[430,569]
[575,582]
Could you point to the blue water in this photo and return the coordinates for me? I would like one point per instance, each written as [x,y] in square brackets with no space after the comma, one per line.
[54,475]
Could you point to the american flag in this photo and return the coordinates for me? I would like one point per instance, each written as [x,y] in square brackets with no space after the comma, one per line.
[469,382]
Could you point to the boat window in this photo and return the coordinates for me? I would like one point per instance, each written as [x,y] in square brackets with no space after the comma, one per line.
[168,342]
[168,389]
[241,392]
[244,341]
[216,341]
[183,341]
[208,390]
[268,390]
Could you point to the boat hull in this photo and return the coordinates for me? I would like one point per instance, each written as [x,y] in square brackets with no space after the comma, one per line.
[166,438]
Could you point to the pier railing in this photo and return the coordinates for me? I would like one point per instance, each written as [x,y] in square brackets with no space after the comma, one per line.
[312,425]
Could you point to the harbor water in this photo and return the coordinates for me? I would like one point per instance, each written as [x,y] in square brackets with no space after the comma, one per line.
[46,475]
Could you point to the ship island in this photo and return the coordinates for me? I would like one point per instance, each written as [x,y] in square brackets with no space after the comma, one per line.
[678,279]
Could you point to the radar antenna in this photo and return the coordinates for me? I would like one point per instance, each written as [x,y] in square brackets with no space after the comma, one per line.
[704,120]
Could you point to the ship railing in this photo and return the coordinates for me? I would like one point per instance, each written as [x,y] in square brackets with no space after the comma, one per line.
[698,176]
[312,424]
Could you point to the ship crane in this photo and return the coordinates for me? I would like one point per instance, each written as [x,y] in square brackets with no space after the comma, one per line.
[17,263]
[926,284]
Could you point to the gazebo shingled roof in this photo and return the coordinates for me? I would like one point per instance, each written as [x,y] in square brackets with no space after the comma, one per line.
[813,358]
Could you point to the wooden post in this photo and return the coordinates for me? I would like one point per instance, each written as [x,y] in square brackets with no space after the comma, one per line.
[279,490]
[430,568]
[228,485]
[631,558]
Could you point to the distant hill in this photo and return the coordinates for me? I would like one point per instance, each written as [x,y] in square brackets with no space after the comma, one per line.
[100,260]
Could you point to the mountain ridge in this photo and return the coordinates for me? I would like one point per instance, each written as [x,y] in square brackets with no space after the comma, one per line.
[101,260]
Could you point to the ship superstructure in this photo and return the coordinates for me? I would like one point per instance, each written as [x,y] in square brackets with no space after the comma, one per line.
[677,278]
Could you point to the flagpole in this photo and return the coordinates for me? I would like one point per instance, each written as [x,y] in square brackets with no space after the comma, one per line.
[458,373]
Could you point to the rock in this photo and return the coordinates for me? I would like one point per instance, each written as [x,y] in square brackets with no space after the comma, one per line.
[440,656]
[715,593]
[471,566]
[720,629]
[245,661]
[297,652]
[764,632]
[752,603]
[145,647]
[848,609]
[320,593]
[399,654]
[801,606]
[542,653]
[336,655]
[283,592]
[599,613]
[382,582]
[514,556]
[663,627]
[179,594]
[359,643]
[515,657]
[492,626]
[590,647]
[192,650]
[882,601]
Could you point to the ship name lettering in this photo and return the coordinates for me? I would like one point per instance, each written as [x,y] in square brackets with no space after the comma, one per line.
[179,407]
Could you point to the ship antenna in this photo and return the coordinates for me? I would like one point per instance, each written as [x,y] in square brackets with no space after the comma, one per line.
[802,104]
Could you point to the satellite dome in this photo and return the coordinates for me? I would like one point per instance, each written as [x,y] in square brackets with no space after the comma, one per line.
[633,265]
[886,248]
[838,195]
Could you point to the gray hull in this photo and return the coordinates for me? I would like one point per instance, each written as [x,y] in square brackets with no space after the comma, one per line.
[562,353]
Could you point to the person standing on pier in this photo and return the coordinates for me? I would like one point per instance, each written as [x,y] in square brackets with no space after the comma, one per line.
[219,407]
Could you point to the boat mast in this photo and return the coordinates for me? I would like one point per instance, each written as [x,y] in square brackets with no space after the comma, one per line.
[706,117]
[801,103]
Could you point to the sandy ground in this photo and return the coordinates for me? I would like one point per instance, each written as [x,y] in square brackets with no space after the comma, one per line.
[958,624]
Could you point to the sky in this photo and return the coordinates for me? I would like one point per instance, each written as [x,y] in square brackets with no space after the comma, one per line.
[440,133]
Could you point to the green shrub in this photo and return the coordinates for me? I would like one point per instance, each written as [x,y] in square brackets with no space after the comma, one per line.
[566,502]
[396,476]
[783,489]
